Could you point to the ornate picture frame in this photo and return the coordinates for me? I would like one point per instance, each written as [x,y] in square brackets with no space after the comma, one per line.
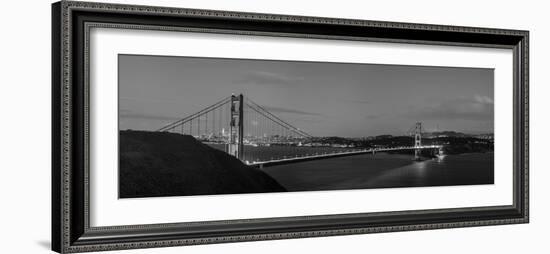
[71,228]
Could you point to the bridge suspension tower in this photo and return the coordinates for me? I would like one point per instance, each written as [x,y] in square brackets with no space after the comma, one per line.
[236,126]
[417,140]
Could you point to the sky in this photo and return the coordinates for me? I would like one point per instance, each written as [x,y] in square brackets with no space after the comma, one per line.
[323,99]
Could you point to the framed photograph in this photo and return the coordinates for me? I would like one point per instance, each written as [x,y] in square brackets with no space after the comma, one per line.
[181,126]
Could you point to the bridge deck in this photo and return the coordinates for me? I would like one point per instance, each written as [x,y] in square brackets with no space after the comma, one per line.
[261,164]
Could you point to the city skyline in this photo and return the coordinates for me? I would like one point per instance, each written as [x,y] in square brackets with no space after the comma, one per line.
[326,99]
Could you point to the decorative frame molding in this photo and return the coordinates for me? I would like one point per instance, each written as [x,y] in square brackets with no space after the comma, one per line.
[71,22]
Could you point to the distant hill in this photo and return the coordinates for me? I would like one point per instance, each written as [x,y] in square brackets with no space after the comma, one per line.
[455,134]
[445,134]
[156,164]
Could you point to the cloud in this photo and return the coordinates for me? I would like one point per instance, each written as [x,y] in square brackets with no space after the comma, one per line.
[269,78]
[288,110]
[475,108]
[483,99]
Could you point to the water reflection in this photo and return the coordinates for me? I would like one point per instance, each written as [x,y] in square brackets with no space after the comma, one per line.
[440,158]
[419,168]
[383,171]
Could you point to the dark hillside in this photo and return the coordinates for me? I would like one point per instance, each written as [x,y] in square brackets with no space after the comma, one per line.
[156,164]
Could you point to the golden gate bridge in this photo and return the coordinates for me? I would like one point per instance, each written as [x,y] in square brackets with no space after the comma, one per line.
[238,125]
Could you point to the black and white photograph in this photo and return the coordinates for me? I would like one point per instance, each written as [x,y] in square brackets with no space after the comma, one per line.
[207,126]
[234,126]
